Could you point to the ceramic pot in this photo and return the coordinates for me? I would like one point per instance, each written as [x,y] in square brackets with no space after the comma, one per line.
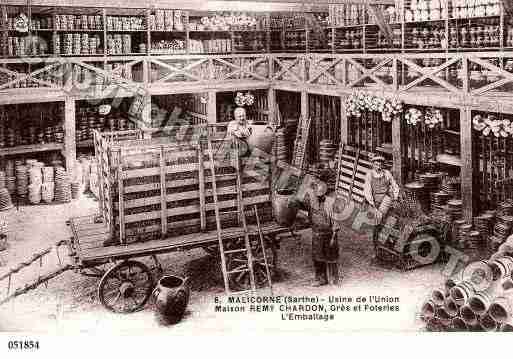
[262,137]
[171,298]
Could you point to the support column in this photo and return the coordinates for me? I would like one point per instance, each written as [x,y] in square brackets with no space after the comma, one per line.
[212,107]
[397,152]
[467,163]
[344,123]
[272,106]
[70,145]
[304,104]
[146,111]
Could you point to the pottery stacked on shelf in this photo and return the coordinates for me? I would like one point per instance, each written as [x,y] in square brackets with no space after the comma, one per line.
[35,181]
[62,186]
[5,197]
[48,185]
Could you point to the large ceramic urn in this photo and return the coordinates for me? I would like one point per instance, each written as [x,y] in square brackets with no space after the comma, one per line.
[171,298]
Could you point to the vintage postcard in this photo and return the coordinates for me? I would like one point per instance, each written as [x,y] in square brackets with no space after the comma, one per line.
[255,166]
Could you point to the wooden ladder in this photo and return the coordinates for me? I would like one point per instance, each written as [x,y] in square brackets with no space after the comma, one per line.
[221,240]
[301,142]
[242,217]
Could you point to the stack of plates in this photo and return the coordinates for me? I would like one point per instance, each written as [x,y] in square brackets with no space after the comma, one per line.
[431,181]
[455,208]
[455,232]
[483,224]
[326,151]
[62,186]
[417,194]
[48,174]
[22,180]
[35,175]
[47,192]
[505,208]
[9,168]
[463,235]
[281,147]
[438,203]
[452,186]
[10,183]
[34,193]
[2,179]
[503,226]
[5,199]
[474,240]
[75,190]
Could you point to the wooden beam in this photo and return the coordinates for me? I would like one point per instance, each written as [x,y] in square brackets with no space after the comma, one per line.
[397,153]
[70,146]
[304,105]
[271,104]
[344,123]
[212,107]
[467,160]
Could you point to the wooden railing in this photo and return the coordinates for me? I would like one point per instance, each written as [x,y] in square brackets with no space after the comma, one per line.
[478,74]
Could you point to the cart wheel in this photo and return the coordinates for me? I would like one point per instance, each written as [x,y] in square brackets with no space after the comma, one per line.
[126,287]
[241,281]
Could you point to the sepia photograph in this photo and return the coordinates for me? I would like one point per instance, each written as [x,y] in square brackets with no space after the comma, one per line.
[274,166]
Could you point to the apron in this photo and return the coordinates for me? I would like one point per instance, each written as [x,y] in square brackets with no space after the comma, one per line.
[322,232]
[380,188]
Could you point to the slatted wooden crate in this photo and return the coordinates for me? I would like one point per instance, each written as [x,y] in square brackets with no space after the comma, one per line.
[353,167]
[159,187]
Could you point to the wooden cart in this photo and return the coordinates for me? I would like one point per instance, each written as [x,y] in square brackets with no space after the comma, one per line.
[159,195]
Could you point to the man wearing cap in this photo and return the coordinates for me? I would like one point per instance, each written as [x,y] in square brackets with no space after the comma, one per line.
[325,251]
[239,127]
[380,188]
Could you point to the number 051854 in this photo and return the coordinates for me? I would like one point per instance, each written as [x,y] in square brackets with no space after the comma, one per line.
[23,345]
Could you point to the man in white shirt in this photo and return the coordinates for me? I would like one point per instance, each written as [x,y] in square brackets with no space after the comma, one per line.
[239,127]
[380,187]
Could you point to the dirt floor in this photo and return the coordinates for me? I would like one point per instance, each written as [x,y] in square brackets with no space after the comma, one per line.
[69,303]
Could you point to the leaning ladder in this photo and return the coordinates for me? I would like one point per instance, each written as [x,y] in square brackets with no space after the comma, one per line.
[221,240]
[301,142]
[242,217]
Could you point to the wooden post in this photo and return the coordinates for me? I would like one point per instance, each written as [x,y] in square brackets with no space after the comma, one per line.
[146,113]
[467,162]
[304,105]
[271,105]
[344,122]
[397,153]
[201,179]
[163,194]
[212,107]
[70,146]
[121,198]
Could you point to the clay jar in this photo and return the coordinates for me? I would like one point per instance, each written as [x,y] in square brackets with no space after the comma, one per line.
[262,137]
[171,298]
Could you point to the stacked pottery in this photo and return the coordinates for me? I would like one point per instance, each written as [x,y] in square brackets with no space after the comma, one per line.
[62,186]
[5,197]
[327,151]
[35,180]
[2,179]
[22,180]
[48,186]
[75,189]
[280,145]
